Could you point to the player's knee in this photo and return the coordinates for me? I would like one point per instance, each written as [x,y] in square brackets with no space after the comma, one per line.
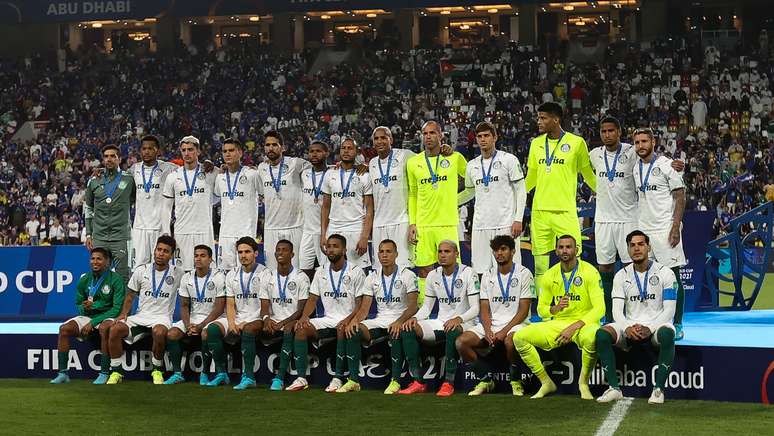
[213,330]
[119,330]
[603,338]
[66,329]
[665,336]
[159,332]
[520,343]
[508,342]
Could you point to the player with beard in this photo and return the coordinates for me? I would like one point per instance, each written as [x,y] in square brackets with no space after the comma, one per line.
[312,179]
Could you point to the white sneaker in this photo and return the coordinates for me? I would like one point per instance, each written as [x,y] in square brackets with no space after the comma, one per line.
[298,384]
[334,385]
[657,397]
[611,394]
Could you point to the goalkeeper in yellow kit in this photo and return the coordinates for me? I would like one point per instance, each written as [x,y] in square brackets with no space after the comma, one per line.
[571,303]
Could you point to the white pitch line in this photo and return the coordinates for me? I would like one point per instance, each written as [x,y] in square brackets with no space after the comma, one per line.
[614,418]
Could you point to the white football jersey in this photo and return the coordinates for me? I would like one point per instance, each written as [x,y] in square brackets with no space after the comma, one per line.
[295,287]
[161,301]
[352,284]
[495,205]
[504,307]
[453,302]
[391,304]
[147,214]
[193,214]
[616,200]
[390,202]
[347,213]
[282,208]
[311,208]
[238,217]
[245,288]
[642,308]
[655,204]
[202,291]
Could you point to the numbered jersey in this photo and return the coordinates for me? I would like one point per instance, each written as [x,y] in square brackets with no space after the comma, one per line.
[245,289]
[202,291]
[454,301]
[391,296]
[284,292]
[161,301]
[338,305]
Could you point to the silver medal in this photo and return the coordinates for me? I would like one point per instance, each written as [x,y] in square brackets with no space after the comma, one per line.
[548,169]
[108,200]
[611,185]
[507,303]
[486,188]
[435,185]
[147,196]
[386,189]
[231,202]
[316,201]
[91,298]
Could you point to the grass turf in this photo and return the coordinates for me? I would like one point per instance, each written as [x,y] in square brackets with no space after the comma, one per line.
[35,407]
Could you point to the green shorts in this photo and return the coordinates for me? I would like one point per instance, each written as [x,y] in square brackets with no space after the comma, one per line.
[428,238]
[548,226]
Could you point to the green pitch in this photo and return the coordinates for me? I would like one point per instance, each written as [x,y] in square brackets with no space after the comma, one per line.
[35,407]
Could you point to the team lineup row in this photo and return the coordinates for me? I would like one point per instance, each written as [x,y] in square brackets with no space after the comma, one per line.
[474,313]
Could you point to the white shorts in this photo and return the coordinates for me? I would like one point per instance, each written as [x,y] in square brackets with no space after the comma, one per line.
[380,322]
[363,261]
[241,318]
[227,253]
[270,239]
[430,326]
[137,322]
[143,244]
[310,251]
[609,239]
[662,252]
[81,321]
[481,254]
[326,322]
[180,325]
[185,248]
[478,329]
[621,341]
[399,234]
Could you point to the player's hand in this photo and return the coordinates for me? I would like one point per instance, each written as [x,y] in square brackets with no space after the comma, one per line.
[452,324]
[563,303]
[87,304]
[394,330]
[490,337]
[352,328]
[234,329]
[362,246]
[516,229]
[678,165]
[447,150]
[302,323]
[323,241]
[87,329]
[271,326]
[643,331]
[412,234]
[208,166]
[121,317]
[566,335]
[674,235]
[361,169]
[98,172]
[194,330]
[409,325]
[89,243]
[501,335]
[631,333]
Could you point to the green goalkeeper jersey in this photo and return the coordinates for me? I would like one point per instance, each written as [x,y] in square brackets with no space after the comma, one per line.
[107,291]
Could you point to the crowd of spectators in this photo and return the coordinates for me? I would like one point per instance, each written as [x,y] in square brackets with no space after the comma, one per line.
[711,109]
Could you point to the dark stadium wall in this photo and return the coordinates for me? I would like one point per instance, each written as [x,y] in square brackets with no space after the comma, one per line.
[29,39]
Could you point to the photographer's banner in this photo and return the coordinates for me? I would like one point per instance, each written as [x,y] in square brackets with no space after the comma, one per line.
[38,283]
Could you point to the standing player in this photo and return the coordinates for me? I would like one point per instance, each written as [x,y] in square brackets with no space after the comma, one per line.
[456,289]
[202,300]
[498,181]
[339,286]
[99,295]
[283,295]
[505,303]
[282,193]
[313,178]
[109,199]
[348,206]
[643,308]
[156,285]
[191,192]
[238,188]
[571,303]
[149,177]
[555,158]
[661,203]
[433,182]
[243,315]
[394,287]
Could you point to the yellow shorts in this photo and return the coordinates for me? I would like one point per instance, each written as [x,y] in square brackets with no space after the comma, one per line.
[547,226]
[428,238]
[543,334]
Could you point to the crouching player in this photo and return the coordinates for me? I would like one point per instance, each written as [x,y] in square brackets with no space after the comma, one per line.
[156,285]
[243,315]
[339,286]
[283,295]
[395,290]
[202,300]
[506,295]
[456,289]
[644,301]
[571,303]
[99,295]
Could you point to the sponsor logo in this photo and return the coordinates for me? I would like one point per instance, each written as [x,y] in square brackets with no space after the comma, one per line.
[556,160]
[578,281]
[430,180]
[236,194]
[640,298]
[565,148]
[141,187]
[183,193]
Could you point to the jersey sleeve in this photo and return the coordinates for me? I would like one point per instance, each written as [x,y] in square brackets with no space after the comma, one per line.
[370,283]
[264,292]
[135,281]
[674,179]
[81,293]
[583,163]
[303,286]
[527,285]
[430,288]
[230,285]
[358,282]
[669,280]
[410,281]
[596,296]
[169,187]
[183,289]
[462,165]
[412,192]
[531,168]
[618,285]
[220,285]
[474,287]
[326,185]
[314,288]
[515,172]
[545,296]
[469,178]
[367,186]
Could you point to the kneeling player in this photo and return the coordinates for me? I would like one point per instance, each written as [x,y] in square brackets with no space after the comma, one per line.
[202,300]
[243,315]
[644,300]
[99,296]
[395,290]
[340,288]
[456,289]
[571,302]
[156,284]
[506,295]
[283,295]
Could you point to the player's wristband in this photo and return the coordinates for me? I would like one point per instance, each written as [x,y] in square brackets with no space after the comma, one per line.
[265,317]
